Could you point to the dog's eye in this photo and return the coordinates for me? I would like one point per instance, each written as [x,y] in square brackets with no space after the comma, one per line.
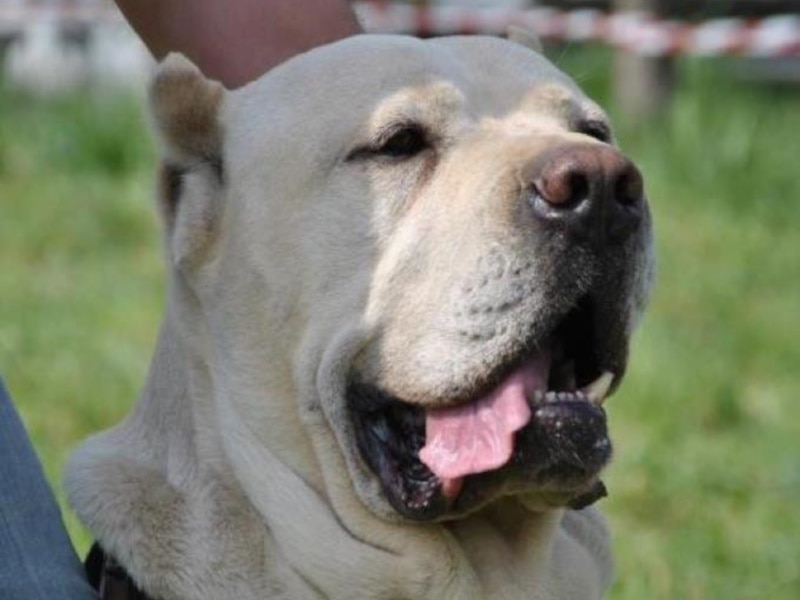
[596,129]
[399,143]
[406,142]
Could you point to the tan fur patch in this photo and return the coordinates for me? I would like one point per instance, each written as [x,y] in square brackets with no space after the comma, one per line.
[186,106]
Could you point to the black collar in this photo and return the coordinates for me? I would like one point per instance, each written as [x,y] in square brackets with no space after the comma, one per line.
[109,578]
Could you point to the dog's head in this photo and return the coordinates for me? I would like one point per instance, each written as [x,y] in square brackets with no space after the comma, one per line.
[413,264]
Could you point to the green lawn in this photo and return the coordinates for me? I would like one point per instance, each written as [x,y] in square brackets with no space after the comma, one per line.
[707,426]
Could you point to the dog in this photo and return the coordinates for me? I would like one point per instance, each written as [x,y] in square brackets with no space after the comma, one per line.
[403,276]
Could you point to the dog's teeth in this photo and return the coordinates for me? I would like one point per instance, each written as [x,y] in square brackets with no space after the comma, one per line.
[551,397]
[597,391]
[538,396]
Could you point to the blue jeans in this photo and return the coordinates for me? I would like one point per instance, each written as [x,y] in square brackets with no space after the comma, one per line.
[37,561]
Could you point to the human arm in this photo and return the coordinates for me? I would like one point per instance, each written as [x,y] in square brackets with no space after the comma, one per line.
[235,41]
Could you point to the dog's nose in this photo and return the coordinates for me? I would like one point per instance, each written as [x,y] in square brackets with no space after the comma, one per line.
[591,190]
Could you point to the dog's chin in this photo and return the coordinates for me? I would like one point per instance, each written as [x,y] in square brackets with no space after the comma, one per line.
[557,455]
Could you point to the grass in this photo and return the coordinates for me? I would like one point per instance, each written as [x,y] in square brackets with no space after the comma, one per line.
[80,272]
[707,426]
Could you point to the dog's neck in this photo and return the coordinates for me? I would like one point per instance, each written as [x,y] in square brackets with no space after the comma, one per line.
[195,515]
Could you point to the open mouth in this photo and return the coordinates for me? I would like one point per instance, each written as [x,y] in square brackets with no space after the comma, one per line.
[539,423]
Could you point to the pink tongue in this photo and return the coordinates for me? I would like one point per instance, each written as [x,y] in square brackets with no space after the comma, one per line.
[479,436]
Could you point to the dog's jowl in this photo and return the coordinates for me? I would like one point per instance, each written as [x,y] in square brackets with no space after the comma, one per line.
[403,276]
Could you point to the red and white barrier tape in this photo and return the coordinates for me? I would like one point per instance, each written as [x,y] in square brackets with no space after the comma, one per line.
[635,32]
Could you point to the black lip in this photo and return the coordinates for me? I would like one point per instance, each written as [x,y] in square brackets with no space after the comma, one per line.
[390,434]
[566,442]
[564,446]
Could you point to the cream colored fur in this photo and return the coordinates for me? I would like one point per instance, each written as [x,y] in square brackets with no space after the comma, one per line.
[236,476]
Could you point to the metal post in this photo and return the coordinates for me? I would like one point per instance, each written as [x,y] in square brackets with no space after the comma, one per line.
[643,86]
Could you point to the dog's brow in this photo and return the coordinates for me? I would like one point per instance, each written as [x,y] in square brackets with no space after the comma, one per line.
[550,97]
[426,104]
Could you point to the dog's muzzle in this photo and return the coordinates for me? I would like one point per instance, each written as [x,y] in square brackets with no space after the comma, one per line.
[535,425]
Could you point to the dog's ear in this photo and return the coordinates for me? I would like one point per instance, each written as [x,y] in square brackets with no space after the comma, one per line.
[524,37]
[186,108]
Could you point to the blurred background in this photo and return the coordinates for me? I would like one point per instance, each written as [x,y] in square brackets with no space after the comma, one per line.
[706,97]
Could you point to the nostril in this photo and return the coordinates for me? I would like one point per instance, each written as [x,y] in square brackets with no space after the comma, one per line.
[563,189]
[579,186]
[629,188]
